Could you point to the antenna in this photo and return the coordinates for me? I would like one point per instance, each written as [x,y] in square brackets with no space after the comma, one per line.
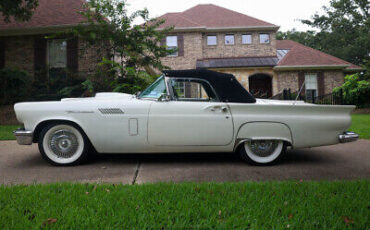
[299,92]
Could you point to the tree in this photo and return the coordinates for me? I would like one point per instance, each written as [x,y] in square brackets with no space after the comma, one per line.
[306,38]
[134,49]
[21,10]
[344,30]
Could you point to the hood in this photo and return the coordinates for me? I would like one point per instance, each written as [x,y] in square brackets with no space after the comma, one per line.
[102,96]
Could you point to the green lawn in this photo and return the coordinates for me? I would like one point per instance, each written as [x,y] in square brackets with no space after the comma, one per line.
[6,132]
[250,205]
[361,125]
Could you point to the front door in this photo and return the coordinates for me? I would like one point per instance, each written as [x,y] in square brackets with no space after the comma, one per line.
[193,117]
[260,86]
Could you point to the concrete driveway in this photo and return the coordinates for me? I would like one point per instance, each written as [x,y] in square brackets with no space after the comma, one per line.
[23,164]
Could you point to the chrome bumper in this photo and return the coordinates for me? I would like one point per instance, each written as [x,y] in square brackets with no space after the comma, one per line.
[347,137]
[24,137]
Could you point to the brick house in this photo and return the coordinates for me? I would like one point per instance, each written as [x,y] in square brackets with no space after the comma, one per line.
[212,37]
[24,46]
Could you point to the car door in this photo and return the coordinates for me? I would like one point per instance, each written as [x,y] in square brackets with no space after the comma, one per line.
[193,117]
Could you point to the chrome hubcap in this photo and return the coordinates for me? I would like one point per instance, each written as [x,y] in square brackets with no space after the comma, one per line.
[63,143]
[263,148]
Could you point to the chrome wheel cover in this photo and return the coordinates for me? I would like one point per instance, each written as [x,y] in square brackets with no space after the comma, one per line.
[63,143]
[263,148]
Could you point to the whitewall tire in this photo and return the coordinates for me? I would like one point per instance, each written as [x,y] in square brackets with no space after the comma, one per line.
[262,152]
[63,144]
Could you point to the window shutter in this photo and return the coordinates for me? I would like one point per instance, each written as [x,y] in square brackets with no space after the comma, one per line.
[180,44]
[320,83]
[2,54]
[301,81]
[72,54]
[163,41]
[40,58]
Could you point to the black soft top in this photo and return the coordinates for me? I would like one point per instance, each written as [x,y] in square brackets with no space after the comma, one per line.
[226,85]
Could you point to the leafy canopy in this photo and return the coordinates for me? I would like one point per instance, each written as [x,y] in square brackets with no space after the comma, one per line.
[133,50]
[21,10]
[344,30]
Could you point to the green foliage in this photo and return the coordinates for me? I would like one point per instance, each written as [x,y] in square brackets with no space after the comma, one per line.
[356,90]
[247,205]
[306,38]
[21,10]
[133,49]
[14,85]
[344,30]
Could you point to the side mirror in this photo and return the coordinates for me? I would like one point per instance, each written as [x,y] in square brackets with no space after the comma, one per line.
[164,97]
[137,93]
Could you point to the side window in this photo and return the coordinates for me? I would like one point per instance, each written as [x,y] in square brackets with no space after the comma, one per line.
[192,90]
[171,43]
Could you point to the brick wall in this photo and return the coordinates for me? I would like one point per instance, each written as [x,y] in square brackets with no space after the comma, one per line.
[192,52]
[19,53]
[289,79]
[238,49]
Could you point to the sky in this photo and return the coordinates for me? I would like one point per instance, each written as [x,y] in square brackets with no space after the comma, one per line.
[284,13]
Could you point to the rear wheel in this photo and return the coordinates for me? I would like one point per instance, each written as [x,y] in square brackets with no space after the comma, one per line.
[63,144]
[262,152]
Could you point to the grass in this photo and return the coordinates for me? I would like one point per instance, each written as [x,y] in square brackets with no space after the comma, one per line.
[6,132]
[361,125]
[250,205]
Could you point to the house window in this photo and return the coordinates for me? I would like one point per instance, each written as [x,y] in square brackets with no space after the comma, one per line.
[57,53]
[246,39]
[264,38]
[211,40]
[229,39]
[311,85]
[171,43]
[57,58]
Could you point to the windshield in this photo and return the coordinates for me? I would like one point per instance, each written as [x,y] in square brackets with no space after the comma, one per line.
[155,90]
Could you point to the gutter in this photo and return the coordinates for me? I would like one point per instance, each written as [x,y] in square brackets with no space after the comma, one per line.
[35,30]
[223,29]
[309,67]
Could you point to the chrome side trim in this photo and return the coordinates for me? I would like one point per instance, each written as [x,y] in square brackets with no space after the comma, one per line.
[111,111]
[24,137]
[347,137]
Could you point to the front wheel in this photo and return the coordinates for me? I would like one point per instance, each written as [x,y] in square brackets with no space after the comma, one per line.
[261,152]
[63,144]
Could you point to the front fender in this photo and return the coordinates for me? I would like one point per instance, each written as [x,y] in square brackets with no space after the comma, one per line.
[263,130]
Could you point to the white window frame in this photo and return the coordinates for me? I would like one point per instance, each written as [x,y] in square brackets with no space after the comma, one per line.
[262,42]
[311,83]
[171,46]
[49,43]
[208,41]
[233,39]
[245,42]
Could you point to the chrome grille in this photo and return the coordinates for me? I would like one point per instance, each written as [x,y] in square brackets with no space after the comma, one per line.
[111,111]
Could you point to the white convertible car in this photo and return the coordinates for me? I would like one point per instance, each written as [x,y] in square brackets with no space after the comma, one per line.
[183,111]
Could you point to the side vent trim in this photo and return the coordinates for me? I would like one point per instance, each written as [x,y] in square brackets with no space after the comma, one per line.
[110,111]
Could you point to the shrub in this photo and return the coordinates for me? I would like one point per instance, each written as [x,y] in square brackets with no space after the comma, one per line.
[356,90]
[14,85]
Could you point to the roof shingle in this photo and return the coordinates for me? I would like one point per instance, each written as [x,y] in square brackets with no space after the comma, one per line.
[211,16]
[50,13]
[301,55]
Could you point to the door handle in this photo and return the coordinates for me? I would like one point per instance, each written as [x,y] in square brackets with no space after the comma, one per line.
[223,109]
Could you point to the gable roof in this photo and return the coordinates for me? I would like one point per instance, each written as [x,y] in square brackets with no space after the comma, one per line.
[49,13]
[298,55]
[208,16]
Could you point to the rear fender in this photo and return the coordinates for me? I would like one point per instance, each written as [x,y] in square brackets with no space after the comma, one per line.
[262,130]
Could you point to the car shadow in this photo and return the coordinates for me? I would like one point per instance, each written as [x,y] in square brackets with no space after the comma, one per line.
[290,157]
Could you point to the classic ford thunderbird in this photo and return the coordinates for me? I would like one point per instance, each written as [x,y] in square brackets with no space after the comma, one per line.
[182,111]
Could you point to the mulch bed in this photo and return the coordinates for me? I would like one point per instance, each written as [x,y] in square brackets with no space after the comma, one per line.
[7,115]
